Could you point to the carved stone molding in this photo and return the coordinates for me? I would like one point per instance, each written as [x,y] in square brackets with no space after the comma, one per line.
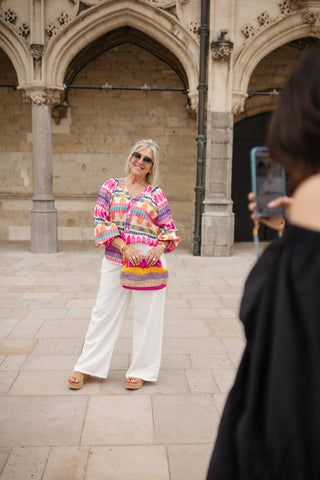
[264,18]
[238,100]
[39,96]
[194,27]
[59,112]
[191,111]
[23,30]
[313,19]
[34,97]
[192,107]
[78,4]
[90,3]
[53,97]
[287,7]
[221,50]
[10,16]
[51,30]
[173,7]
[37,51]
[163,3]
[188,15]
[63,18]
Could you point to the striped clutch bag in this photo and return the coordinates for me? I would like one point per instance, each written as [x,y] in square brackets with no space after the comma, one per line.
[144,277]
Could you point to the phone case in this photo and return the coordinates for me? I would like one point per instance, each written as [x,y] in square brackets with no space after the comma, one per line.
[267,181]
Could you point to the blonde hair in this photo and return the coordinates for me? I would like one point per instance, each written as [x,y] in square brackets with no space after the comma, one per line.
[152,177]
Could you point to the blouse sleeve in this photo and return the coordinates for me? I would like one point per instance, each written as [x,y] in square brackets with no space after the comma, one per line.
[167,229]
[105,229]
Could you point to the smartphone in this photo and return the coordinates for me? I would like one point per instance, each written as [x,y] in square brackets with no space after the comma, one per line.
[268,182]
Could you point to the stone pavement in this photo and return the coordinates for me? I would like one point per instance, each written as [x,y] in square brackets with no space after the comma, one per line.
[164,431]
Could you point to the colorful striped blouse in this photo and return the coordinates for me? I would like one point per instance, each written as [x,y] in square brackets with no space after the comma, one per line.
[143,219]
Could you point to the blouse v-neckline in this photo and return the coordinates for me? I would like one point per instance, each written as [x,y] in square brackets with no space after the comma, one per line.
[137,195]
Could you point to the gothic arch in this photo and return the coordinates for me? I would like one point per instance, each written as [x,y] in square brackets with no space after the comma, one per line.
[103,18]
[16,51]
[274,36]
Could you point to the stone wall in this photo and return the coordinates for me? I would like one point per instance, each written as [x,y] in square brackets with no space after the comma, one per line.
[91,144]
[15,158]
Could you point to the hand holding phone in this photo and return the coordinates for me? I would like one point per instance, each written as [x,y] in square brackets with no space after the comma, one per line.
[268,182]
[276,222]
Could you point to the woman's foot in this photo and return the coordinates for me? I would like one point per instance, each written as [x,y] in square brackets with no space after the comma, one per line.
[133,383]
[77,380]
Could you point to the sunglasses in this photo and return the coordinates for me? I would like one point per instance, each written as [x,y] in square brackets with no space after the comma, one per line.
[145,159]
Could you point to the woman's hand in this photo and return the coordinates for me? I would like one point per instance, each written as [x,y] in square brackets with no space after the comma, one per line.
[273,222]
[133,255]
[153,255]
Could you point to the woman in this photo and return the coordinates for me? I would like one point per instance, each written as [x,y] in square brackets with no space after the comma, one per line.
[270,428]
[133,221]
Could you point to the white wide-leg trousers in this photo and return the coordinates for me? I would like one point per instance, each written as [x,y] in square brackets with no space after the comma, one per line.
[106,321]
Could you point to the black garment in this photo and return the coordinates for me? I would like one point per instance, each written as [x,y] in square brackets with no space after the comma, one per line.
[270,428]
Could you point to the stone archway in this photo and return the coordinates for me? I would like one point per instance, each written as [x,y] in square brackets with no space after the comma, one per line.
[251,125]
[17,52]
[270,75]
[104,18]
[92,141]
[117,37]
[294,23]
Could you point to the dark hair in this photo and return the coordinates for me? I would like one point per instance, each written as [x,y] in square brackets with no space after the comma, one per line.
[294,132]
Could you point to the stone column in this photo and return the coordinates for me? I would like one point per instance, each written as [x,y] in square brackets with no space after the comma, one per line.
[217,232]
[44,229]
[218,218]
[43,219]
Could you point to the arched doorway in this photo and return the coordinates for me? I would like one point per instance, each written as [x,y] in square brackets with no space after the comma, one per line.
[248,133]
[250,129]
[92,142]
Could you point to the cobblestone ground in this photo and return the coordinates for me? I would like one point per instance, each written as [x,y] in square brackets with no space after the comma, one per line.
[164,431]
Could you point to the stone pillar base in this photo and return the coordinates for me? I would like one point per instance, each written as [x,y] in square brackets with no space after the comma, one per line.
[217,233]
[44,228]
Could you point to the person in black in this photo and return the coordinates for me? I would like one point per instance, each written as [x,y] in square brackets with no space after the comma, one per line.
[270,427]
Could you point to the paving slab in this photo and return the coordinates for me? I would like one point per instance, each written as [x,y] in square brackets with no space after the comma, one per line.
[164,431]
[41,421]
[4,455]
[26,463]
[17,346]
[128,463]
[195,468]
[68,463]
[184,419]
[202,381]
[118,420]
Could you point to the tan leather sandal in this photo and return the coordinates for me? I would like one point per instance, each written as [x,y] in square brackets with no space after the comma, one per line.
[77,380]
[133,383]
